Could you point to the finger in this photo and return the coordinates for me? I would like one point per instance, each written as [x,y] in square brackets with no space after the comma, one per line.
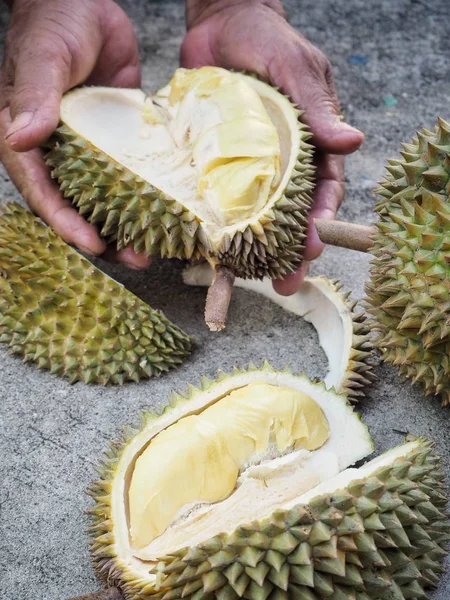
[291,283]
[31,177]
[41,76]
[127,257]
[328,197]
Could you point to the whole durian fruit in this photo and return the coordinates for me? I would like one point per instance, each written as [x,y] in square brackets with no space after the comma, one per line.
[215,165]
[242,489]
[409,288]
[60,312]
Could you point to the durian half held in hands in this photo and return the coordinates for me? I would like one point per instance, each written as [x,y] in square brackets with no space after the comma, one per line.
[60,312]
[215,165]
[409,288]
[242,489]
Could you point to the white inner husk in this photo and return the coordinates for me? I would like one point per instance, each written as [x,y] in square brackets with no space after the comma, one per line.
[278,482]
[117,122]
[318,302]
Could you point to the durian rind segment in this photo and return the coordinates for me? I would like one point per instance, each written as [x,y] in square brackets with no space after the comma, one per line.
[132,212]
[110,543]
[409,291]
[60,312]
[343,329]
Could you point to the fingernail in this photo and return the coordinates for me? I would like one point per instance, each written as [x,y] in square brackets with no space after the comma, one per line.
[130,265]
[85,249]
[342,126]
[20,122]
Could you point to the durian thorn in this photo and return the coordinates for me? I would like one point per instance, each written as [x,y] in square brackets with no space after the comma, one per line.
[218,298]
[109,594]
[345,235]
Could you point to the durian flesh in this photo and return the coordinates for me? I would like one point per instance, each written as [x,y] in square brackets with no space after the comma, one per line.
[215,164]
[199,458]
[300,525]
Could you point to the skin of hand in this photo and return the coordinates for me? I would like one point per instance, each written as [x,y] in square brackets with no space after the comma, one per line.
[50,48]
[253,35]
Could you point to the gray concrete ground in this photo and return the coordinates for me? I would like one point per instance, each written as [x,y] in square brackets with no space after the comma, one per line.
[52,433]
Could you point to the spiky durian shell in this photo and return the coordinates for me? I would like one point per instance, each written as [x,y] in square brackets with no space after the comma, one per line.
[131,212]
[380,537]
[62,313]
[409,289]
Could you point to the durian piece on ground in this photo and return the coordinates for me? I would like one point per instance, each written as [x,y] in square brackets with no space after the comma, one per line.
[216,164]
[343,331]
[62,313]
[409,288]
[242,489]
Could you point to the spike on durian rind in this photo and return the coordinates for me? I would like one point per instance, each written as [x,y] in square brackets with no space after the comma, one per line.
[409,290]
[355,370]
[131,212]
[388,530]
[61,312]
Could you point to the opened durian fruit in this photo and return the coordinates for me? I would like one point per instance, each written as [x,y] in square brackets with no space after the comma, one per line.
[244,489]
[215,165]
[409,288]
[60,312]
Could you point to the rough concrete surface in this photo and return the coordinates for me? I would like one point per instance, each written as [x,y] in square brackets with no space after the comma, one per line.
[52,433]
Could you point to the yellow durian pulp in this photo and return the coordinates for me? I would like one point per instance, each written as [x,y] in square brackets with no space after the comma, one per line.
[200,457]
[235,147]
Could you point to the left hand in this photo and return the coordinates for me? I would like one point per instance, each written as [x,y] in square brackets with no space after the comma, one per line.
[254,36]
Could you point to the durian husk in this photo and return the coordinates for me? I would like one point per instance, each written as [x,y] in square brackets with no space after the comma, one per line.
[378,536]
[409,289]
[63,314]
[350,357]
[132,212]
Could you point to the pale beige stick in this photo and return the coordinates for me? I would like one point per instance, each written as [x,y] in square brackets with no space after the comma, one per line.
[109,594]
[345,235]
[218,298]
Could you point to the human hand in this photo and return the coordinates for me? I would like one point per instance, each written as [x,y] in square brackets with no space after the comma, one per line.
[50,48]
[255,36]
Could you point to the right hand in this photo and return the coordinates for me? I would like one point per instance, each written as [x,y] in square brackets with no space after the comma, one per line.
[50,48]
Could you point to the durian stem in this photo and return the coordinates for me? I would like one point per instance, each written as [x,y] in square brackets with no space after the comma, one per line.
[109,594]
[345,235]
[218,298]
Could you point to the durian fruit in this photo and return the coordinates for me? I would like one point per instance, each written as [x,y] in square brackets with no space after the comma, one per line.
[409,288]
[216,164]
[343,330]
[62,313]
[241,489]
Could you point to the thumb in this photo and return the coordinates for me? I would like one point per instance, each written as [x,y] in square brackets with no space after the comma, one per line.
[40,79]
